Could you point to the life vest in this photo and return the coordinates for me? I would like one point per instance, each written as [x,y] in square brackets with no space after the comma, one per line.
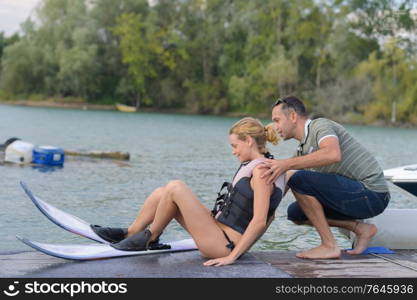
[234,207]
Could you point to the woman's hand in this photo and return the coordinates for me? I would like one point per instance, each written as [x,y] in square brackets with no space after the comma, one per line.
[221,261]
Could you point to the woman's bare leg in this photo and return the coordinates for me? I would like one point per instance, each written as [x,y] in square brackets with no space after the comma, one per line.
[181,203]
[147,212]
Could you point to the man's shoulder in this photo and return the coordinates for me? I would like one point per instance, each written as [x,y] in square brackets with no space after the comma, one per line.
[322,127]
[321,123]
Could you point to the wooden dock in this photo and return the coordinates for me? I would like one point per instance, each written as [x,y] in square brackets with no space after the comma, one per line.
[256,264]
[399,265]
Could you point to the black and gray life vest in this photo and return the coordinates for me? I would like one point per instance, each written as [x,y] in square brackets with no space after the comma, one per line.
[234,206]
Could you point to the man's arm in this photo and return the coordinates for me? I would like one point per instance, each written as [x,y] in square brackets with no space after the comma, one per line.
[329,153]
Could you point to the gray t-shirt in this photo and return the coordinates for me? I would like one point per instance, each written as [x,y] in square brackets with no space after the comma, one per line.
[357,162]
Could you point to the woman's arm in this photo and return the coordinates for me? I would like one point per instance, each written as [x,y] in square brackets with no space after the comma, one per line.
[257,226]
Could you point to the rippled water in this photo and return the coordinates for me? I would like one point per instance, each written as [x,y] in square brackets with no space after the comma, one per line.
[162,147]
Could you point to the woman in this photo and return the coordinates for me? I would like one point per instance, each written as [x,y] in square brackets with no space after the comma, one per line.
[240,216]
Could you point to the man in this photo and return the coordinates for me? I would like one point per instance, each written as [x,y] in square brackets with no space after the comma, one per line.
[338,181]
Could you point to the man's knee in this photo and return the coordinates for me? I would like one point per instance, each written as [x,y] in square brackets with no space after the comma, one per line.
[296,178]
[298,222]
[289,174]
[295,214]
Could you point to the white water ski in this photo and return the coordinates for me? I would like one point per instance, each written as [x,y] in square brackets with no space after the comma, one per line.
[100,251]
[78,226]
[62,219]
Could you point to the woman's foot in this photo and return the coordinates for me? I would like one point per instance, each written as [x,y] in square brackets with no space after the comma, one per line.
[321,252]
[156,245]
[137,242]
[364,233]
[110,234]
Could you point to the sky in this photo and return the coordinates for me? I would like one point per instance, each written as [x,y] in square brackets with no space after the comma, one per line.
[14,12]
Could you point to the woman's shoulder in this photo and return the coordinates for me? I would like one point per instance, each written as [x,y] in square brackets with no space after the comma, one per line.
[258,170]
[259,166]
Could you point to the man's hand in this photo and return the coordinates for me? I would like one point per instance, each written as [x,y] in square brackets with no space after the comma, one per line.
[273,169]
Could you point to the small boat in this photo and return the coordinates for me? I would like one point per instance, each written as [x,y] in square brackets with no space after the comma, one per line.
[125,108]
[404,177]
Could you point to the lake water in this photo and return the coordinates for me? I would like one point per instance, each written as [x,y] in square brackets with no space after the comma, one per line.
[162,147]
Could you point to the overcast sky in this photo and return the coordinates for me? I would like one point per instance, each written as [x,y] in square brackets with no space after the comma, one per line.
[14,12]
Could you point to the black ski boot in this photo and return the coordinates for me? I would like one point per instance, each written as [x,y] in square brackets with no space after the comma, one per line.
[138,242]
[156,245]
[110,234]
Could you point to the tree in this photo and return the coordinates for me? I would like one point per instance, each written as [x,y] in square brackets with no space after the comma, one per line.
[393,76]
[5,42]
[145,48]
[217,56]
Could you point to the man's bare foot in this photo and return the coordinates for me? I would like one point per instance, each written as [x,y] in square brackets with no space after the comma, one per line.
[364,233]
[321,252]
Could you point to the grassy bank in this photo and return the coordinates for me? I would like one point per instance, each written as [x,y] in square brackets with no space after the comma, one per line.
[78,103]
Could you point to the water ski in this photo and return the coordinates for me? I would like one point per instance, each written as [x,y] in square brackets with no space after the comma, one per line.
[78,226]
[100,251]
[62,219]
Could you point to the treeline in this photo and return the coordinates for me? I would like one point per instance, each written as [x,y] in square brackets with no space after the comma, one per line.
[349,59]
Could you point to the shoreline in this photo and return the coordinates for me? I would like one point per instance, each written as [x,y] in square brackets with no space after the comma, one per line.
[92,106]
[55,104]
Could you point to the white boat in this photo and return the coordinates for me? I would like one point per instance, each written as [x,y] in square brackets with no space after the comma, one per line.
[405,177]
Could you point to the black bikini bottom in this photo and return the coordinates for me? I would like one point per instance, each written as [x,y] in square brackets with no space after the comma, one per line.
[230,245]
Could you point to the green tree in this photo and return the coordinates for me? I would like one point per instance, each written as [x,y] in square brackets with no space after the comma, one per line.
[393,76]
[6,41]
[22,66]
[213,56]
[146,49]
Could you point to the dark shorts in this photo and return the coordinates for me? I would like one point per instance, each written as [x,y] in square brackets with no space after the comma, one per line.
[342,198]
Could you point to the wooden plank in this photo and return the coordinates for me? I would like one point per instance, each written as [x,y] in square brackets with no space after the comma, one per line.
[406,258]
[351,266]
[23,263]
[181,264]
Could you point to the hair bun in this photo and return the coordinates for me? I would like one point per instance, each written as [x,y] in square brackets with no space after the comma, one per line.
[271,134]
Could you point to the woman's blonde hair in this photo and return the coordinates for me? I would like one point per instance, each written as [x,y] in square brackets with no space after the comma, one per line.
[254,128]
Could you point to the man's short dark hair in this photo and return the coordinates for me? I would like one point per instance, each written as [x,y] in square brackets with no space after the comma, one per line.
[292,102]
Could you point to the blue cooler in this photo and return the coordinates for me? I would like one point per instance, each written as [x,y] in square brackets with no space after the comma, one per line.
[48,156]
